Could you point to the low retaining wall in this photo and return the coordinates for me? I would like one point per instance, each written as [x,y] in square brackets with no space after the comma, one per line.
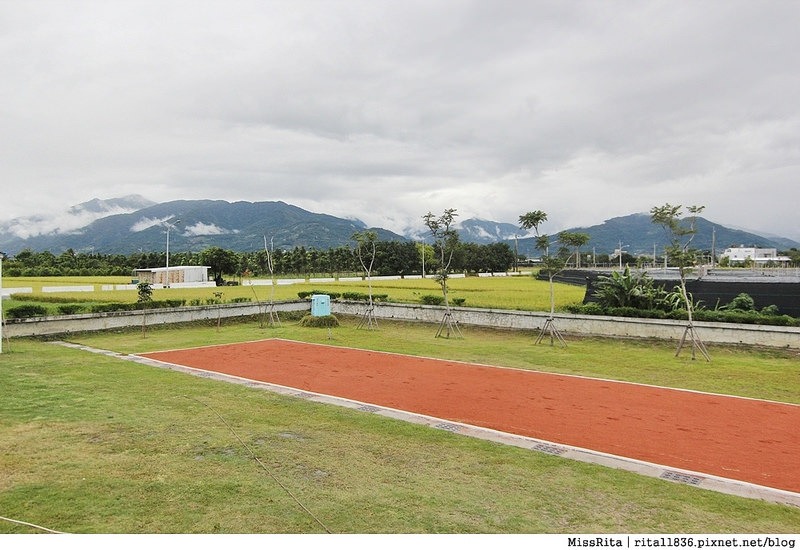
[586,325]
[65,324]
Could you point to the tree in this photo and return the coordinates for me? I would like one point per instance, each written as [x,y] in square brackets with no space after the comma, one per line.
[145,296]
[220,261]
[269,253]
[575,241]
[680,233]
[145,292]
[365,251]
[551,266]
[626,289]
[445,241]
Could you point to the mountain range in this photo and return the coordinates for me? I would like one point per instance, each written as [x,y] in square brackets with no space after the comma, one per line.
[133,223]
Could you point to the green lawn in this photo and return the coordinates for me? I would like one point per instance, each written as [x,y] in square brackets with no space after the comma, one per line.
[93,444]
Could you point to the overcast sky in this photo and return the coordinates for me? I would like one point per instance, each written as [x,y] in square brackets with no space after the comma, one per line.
[384,110]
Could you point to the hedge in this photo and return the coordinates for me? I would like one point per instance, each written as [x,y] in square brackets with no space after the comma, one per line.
[26,310]
[319,321]
[709,315]
[122,306]
[308,293]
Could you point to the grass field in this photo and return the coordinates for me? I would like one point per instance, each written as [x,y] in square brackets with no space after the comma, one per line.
[92,444]
[521,293]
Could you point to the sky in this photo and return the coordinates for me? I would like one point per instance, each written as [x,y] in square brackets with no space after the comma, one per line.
[384,110]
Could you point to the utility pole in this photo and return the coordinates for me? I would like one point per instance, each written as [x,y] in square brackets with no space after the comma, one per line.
[169,226]
[713,245]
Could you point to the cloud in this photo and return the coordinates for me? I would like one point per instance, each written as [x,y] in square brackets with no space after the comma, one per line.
[147,223]
[201,228]
[384,110]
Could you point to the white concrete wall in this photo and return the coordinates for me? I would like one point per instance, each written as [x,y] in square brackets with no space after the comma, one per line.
[103,321]
[8,291]
[73,288]
[587,325]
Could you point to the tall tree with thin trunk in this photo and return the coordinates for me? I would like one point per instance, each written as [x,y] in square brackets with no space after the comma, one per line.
[575,241]
[680,233]
[365,250]
[445,242]
[551,266]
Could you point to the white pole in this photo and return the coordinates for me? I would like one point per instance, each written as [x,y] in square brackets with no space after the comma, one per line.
[169,226]
[423,258]
[166,281]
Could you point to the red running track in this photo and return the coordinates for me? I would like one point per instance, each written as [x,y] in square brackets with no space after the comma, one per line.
[735,438]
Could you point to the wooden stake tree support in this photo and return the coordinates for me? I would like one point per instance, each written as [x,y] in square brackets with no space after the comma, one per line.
[697,344]
[549,329]
[448,326]
[368,319]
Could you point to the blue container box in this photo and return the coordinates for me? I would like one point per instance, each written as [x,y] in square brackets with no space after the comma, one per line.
[320,305]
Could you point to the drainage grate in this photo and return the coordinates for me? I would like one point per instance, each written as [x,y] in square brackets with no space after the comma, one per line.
[549,449]
[369,408]
[447,426]
[681,478]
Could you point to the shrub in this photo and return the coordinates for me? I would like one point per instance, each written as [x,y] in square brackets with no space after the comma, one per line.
[120,306]
[770,310]
[305,294]
[320,321]
[116,306]
[241,300]
[459,301]
[27,310]
[358,296]
[70,309]
[742,302]
[432,300]
[625,311]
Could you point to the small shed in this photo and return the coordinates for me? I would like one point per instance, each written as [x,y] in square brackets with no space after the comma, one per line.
[173,275]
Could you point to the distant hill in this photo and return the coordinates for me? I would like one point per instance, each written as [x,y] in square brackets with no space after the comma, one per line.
[72,219]
[638,235]
[203,223]
[133,223]
[479,231]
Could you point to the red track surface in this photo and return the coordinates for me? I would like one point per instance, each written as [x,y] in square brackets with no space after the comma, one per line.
[742,439]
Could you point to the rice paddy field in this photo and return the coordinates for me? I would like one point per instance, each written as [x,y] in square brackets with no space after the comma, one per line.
[518,292]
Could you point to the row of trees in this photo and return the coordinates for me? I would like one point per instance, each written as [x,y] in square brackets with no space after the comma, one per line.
[391,258]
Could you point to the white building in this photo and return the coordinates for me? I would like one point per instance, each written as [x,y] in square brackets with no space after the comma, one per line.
[178,274]
[759,256]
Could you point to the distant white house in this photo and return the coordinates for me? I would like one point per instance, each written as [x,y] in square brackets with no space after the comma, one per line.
[759,256]
[174,275]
